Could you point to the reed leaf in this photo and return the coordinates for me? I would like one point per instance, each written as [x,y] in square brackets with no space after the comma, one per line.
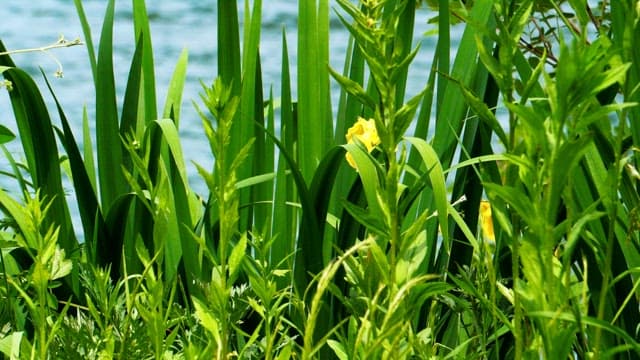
[109,147]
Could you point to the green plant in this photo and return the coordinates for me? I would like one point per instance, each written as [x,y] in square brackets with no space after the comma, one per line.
[294,253]
[33,285]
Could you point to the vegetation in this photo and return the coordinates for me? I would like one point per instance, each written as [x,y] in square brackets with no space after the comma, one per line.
[493,215]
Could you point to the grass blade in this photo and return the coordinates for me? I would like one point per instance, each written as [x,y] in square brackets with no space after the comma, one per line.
[313,78]
[86,30]
[173,103]
[142,31]
[284,219]
[109,147]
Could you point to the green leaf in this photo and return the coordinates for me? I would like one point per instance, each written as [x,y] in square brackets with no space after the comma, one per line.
[142,31]
[284,225]
[143,253]
[132,122]
[380,261]
[373,223]
[568,156]
[482,110]
[369,174]
[86,31]
[338,349]
[237,255]
[173,103]
[436,175]
[404,115]
[353,88]
[229,61]
[255,180]
[206,319]
[60,267]
[314,103]
[251,111]
[116,220]
[455,215]
[170,135]
[109,147]
[320,190]
[170,227]
[6,135]
[520,18]
[515,198]
[10,345]
[600,113]
[410,258]
[285,352]
[89,163]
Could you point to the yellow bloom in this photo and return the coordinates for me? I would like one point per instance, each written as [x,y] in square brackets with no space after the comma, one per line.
[365,131]
[486,222]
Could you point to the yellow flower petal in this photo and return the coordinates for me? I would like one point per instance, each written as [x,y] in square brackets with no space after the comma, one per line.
[486,222]
[365,131]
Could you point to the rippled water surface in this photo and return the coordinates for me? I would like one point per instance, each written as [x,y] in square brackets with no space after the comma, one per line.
[175,25]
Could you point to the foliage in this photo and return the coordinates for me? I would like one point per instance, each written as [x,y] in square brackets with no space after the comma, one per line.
[403,228]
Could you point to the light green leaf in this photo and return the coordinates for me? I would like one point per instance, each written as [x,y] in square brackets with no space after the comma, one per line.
[236,257]
[338,348]
[207,320]
[436,176]
[285,353]
[6,135]
[255,180]
[174,93]
[410,258]
[482,110]
[10,345]
[60,267]
[367,169]
[354,89]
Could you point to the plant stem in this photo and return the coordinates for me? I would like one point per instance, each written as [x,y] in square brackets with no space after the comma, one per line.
[613,215]
[515,269]
[392,178]
[61,43]
[225,233]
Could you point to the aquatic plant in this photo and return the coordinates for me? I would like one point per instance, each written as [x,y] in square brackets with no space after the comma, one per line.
[491,215]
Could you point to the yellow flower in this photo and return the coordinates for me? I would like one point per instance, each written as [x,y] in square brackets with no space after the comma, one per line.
[486,222]
[365,131]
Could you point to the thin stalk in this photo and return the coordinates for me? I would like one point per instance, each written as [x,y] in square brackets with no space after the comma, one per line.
[61,43]
[613,214]
[225,234]
[594,19]
[42,326]
[492,291]
[268,336]
[391,181]
[515,269]
[515,241]
[574,29]
[394,216]
[41,293]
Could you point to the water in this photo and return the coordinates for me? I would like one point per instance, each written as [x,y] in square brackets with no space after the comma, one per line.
[175,25]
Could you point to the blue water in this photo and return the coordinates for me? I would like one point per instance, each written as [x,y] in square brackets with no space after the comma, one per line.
[175,25]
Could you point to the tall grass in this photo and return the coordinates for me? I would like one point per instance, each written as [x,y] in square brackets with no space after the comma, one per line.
[406,227]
